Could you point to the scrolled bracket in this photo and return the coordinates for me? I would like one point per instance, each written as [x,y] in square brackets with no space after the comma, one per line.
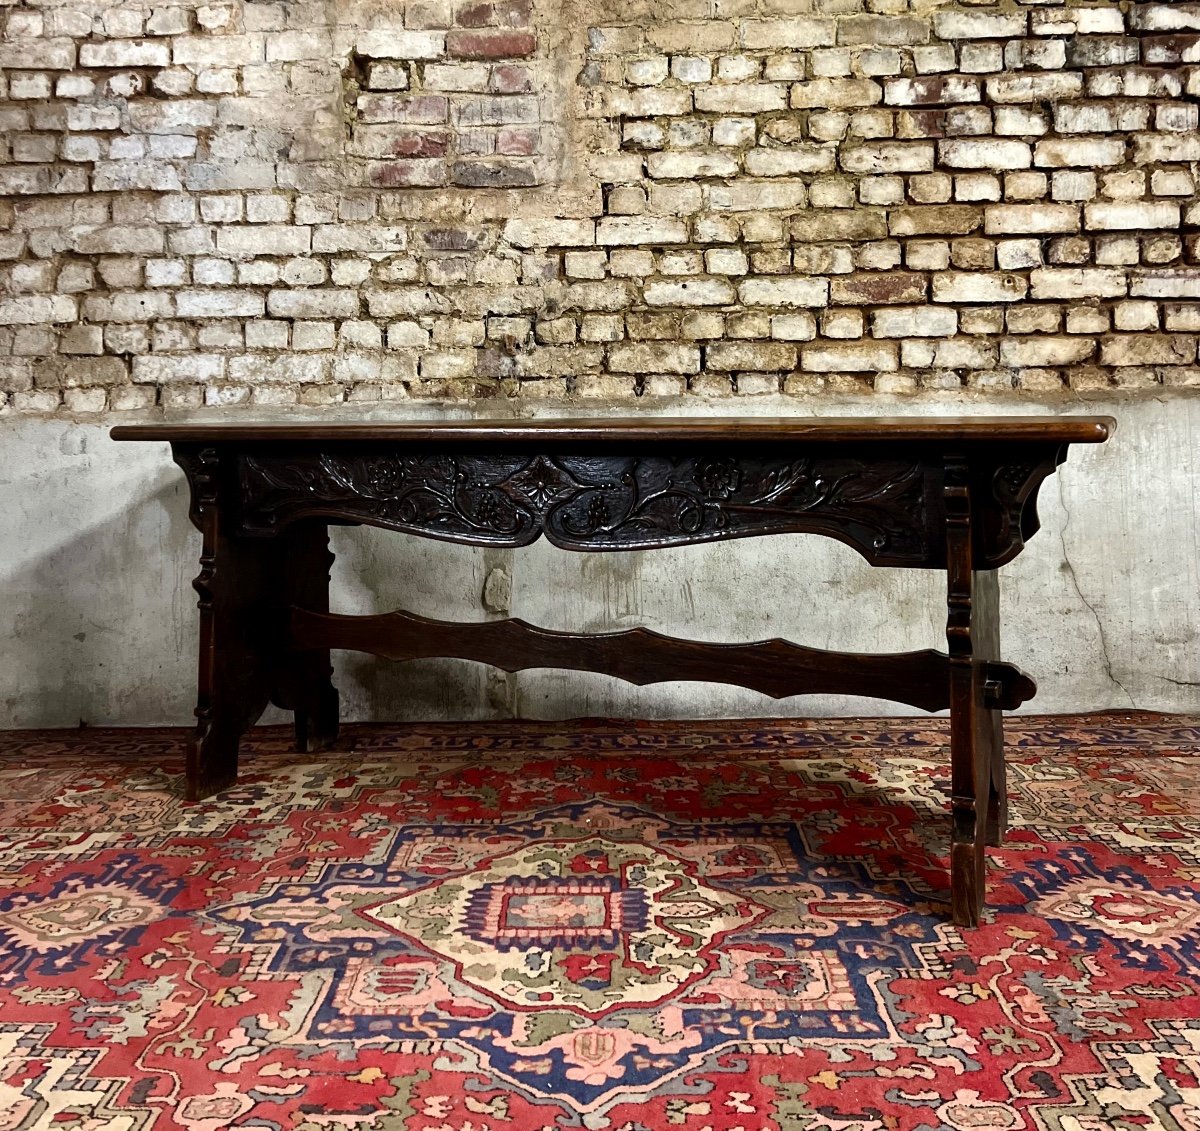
[201,466]
[1013,482]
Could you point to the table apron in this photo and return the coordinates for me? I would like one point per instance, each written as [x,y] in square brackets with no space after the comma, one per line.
[883,500]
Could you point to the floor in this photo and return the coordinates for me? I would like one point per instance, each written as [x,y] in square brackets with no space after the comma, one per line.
[471,927]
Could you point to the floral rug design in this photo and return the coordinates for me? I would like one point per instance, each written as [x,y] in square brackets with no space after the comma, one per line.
[735,926]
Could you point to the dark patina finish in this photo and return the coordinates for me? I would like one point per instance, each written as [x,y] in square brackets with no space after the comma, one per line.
[954,494]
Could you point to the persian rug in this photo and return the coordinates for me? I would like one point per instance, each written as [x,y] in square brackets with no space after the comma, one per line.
[736,926]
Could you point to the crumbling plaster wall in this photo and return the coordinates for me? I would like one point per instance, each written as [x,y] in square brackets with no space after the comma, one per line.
[500,207]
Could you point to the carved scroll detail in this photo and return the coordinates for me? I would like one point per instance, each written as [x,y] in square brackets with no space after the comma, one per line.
[604,501]
[1015,482]
[200,465]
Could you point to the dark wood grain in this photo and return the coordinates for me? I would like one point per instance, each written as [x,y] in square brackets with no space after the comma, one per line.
[977,771]
[773,667]
[238,587]
[958,494]
[606,498]
[647,429]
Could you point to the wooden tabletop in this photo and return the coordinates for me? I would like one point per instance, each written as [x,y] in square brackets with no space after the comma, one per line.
[753,429]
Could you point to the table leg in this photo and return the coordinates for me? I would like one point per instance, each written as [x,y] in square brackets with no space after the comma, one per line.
[976,729]
[986,647]
[305,683]
[240,630]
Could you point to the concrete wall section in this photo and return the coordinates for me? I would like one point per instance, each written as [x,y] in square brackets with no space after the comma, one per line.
[97,618]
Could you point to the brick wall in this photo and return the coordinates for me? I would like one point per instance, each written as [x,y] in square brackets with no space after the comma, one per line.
[275,203]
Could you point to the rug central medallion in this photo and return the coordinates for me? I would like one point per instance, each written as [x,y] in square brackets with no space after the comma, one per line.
[588,925]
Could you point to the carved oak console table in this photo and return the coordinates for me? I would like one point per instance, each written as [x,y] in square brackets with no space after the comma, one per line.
[957,495]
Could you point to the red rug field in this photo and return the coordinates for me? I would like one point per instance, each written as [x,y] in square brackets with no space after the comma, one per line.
[702,926]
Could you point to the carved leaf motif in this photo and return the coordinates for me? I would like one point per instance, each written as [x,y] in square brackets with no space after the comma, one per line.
[611,500]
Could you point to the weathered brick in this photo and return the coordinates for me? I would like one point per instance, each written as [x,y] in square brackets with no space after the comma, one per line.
[931,90]
[871,288]
[849,357]
[1089,153]
[190,369]
[427,109]
[418,172]
[790,162]
[785,292]
[914,322]
[653,357]
[1035,87]
[494,174]
[32,310]
[742,98]
[219,303]
[985,153]
[949,219]
[970,286]
[373,238]
[1045,351]
[1030,219]
[775,35]
[289,369]
[887,30]
[648,102]
[753,356]
[249,240]
[387,141]
[313,303]
[396,44]
[1148,349]
[979,25]
[1110,116]
[690,292]
[119,239]
[1166,282]
[1077,282]
[617,230]
[1104,216]
[213,51]
[37,54]
[888,157]
[832,92]
[816,226]
[688,166]
[756,196]
[125,53]
[550,233]
[490,44]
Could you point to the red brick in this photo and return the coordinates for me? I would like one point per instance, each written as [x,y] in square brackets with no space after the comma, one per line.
[510,80]
[420,143]
[921,123]
[517,142]
[882,287]
[405,174]
[494,13]
[490,44]
[475,15]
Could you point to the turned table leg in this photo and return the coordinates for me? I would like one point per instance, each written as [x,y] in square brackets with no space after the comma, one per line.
[246,586]
[238,584]
[976,726]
